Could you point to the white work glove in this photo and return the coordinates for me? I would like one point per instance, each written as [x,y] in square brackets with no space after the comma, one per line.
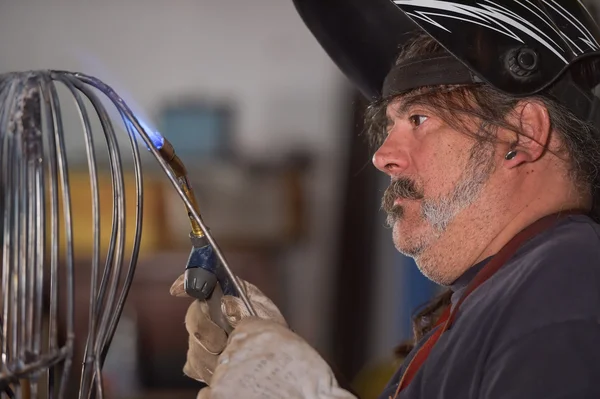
[206,339]
[268,361]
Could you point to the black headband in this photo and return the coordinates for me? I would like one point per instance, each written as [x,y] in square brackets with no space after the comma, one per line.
[444,69]
[431,70]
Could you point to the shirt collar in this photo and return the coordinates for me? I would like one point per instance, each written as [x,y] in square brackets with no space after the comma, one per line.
[460,284]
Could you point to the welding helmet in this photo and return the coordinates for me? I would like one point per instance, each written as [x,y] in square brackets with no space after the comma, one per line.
[519,47]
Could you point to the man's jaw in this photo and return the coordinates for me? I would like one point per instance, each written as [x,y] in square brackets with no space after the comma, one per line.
[413,234]
[412,250]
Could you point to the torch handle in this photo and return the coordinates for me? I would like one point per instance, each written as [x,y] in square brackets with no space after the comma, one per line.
[206,279]
[202,284]
[215,310]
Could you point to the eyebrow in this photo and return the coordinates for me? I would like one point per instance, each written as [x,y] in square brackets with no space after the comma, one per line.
[402,109]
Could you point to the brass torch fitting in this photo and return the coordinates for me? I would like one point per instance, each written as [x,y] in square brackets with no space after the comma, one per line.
[168,153]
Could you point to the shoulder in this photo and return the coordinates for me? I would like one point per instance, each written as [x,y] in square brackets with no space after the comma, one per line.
[576,237]
[554,278]
[563,259]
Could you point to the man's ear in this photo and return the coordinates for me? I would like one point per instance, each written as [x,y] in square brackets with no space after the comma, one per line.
[533,119]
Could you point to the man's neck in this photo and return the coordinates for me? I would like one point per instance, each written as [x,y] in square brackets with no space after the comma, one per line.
[525,217]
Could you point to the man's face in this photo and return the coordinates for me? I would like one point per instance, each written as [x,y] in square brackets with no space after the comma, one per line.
[436,173]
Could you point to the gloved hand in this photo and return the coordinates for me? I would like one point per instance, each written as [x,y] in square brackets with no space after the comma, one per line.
[206,339]
[268,361]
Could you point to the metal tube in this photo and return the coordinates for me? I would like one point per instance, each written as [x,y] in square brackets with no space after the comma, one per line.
[16,234]
[66,199]
[116,247]
[8,99]
[118,210]
[8,258]
[53,191]
[88,358]
[136,240]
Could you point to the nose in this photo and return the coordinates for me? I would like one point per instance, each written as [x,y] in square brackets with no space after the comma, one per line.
[392,157]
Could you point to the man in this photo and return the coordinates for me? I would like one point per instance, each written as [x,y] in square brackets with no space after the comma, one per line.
[487,126]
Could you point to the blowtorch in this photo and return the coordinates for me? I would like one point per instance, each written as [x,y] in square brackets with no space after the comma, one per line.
[205,278]
[207,274]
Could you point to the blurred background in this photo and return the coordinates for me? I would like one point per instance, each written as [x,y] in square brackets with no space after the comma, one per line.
[270,132]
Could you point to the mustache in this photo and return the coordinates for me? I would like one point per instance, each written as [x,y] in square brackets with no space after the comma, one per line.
[404,188]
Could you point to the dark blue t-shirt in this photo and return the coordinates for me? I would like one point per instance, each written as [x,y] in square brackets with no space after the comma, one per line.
[531,331]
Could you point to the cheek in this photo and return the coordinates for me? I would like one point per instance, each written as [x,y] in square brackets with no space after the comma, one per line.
[440,161]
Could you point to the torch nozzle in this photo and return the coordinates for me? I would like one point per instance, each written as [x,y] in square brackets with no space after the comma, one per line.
[168,153]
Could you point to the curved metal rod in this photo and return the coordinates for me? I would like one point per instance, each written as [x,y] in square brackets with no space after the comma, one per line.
[7,269]
[19,248]
[88,357]
[6,143]
[117,312]
[40,237]
[113,262]
[66,200]
[32,146]
[17,234]
[139,187]
[54,229]
[29,247]
[53,194]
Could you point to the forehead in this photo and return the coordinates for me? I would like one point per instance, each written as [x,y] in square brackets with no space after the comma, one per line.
[435,98]
[400,104]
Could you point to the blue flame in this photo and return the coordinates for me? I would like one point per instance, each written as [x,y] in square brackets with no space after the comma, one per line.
[157,139]
[92,66]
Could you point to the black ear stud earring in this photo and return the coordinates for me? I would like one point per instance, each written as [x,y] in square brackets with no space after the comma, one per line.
[510,155]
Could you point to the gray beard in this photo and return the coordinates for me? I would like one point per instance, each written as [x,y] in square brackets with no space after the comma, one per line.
[440,212]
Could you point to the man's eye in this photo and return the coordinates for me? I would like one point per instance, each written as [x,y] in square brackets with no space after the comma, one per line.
[417,120]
